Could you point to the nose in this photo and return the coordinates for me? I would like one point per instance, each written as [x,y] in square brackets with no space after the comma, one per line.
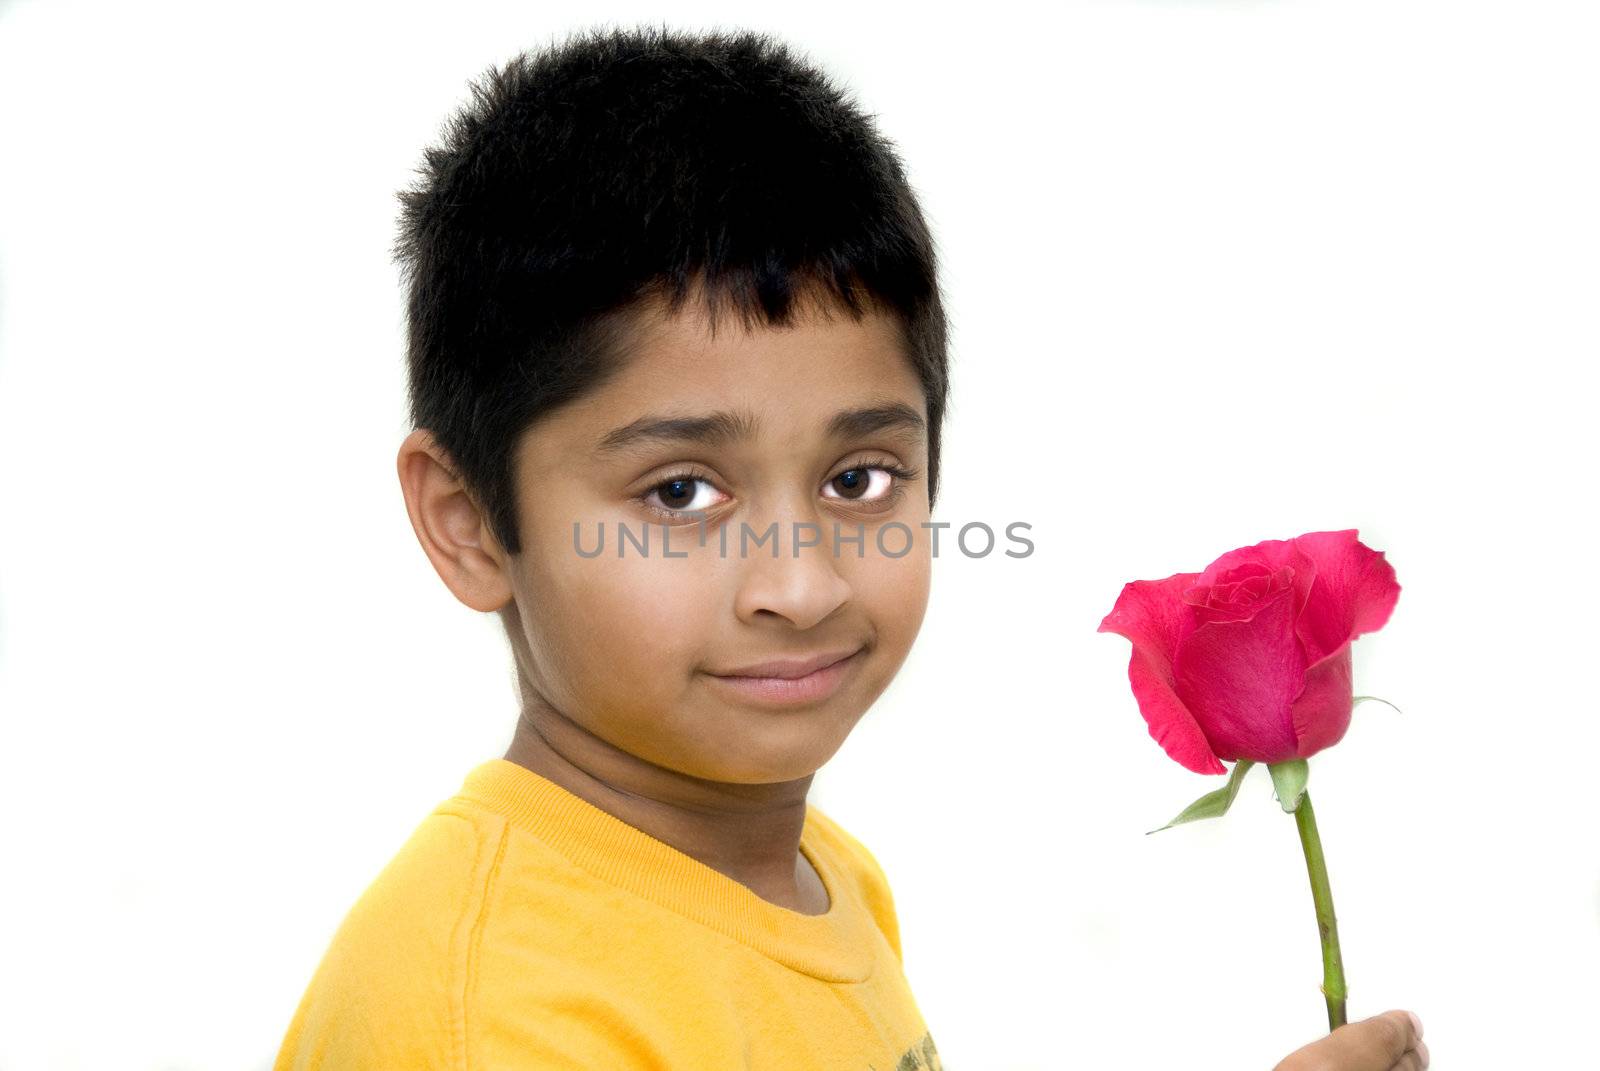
[801,583]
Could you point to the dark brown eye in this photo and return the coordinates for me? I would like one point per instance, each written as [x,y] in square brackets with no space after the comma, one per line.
[867,483]
[852,482]
[683,494]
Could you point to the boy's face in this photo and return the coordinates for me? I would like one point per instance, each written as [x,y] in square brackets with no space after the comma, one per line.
[632,648]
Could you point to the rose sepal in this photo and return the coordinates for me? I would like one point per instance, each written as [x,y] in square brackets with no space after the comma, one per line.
[1212,804]
[1289,782]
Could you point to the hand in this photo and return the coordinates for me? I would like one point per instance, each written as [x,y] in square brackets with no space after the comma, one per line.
[1388,1042]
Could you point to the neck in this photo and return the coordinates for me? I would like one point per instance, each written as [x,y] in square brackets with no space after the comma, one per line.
[751,833]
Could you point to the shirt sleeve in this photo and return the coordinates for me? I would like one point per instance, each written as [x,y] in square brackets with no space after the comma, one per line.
[570,1032]
[389,991]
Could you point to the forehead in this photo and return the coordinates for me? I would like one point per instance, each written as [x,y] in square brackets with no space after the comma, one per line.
[792,380]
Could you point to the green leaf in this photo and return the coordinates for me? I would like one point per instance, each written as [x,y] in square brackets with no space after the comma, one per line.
[1385,702]
[1212,804]
[1289,779]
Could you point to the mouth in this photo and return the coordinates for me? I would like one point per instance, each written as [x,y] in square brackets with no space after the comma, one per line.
[791,684]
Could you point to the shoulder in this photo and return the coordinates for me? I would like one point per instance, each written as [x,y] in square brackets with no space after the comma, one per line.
[862,870]
[390,987]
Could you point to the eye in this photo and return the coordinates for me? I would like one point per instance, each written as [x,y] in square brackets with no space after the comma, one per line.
[877,482]
[689,492]
[677,494]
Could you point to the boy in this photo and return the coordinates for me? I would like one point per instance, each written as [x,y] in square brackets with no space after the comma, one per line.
[677,365]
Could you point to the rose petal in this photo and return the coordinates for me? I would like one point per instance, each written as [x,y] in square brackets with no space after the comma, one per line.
[1168,720]
[1355,592]
[1152,614]
[1240,678]
[1274,554]
[1238,592]
[1321,713]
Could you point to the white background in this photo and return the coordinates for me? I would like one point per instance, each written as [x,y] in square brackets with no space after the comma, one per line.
[1217,273]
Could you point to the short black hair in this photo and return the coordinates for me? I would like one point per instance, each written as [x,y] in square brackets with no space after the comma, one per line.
[623,166]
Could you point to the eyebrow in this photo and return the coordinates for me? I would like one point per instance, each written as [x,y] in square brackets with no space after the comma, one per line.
[725,426]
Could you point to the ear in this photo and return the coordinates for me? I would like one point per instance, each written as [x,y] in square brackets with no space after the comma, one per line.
[453,530]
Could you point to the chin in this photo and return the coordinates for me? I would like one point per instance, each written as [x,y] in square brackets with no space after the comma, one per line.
[756,766]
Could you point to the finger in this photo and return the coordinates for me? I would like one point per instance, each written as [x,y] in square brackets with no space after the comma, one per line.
[1375,1044]
[1380,1043]
[1415,1060]
[1419,1046]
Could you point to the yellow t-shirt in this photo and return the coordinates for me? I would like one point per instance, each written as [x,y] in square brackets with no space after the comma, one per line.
[522,927]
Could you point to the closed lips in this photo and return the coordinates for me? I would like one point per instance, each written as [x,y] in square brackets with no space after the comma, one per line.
[791,669]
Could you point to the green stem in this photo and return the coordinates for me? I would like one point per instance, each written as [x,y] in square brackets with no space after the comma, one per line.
[1333,987]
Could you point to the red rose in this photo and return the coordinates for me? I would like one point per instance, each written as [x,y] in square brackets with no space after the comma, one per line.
[1251,658]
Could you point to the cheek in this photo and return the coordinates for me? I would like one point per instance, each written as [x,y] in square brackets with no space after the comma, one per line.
[635,625]
[631,619]
[894,594]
